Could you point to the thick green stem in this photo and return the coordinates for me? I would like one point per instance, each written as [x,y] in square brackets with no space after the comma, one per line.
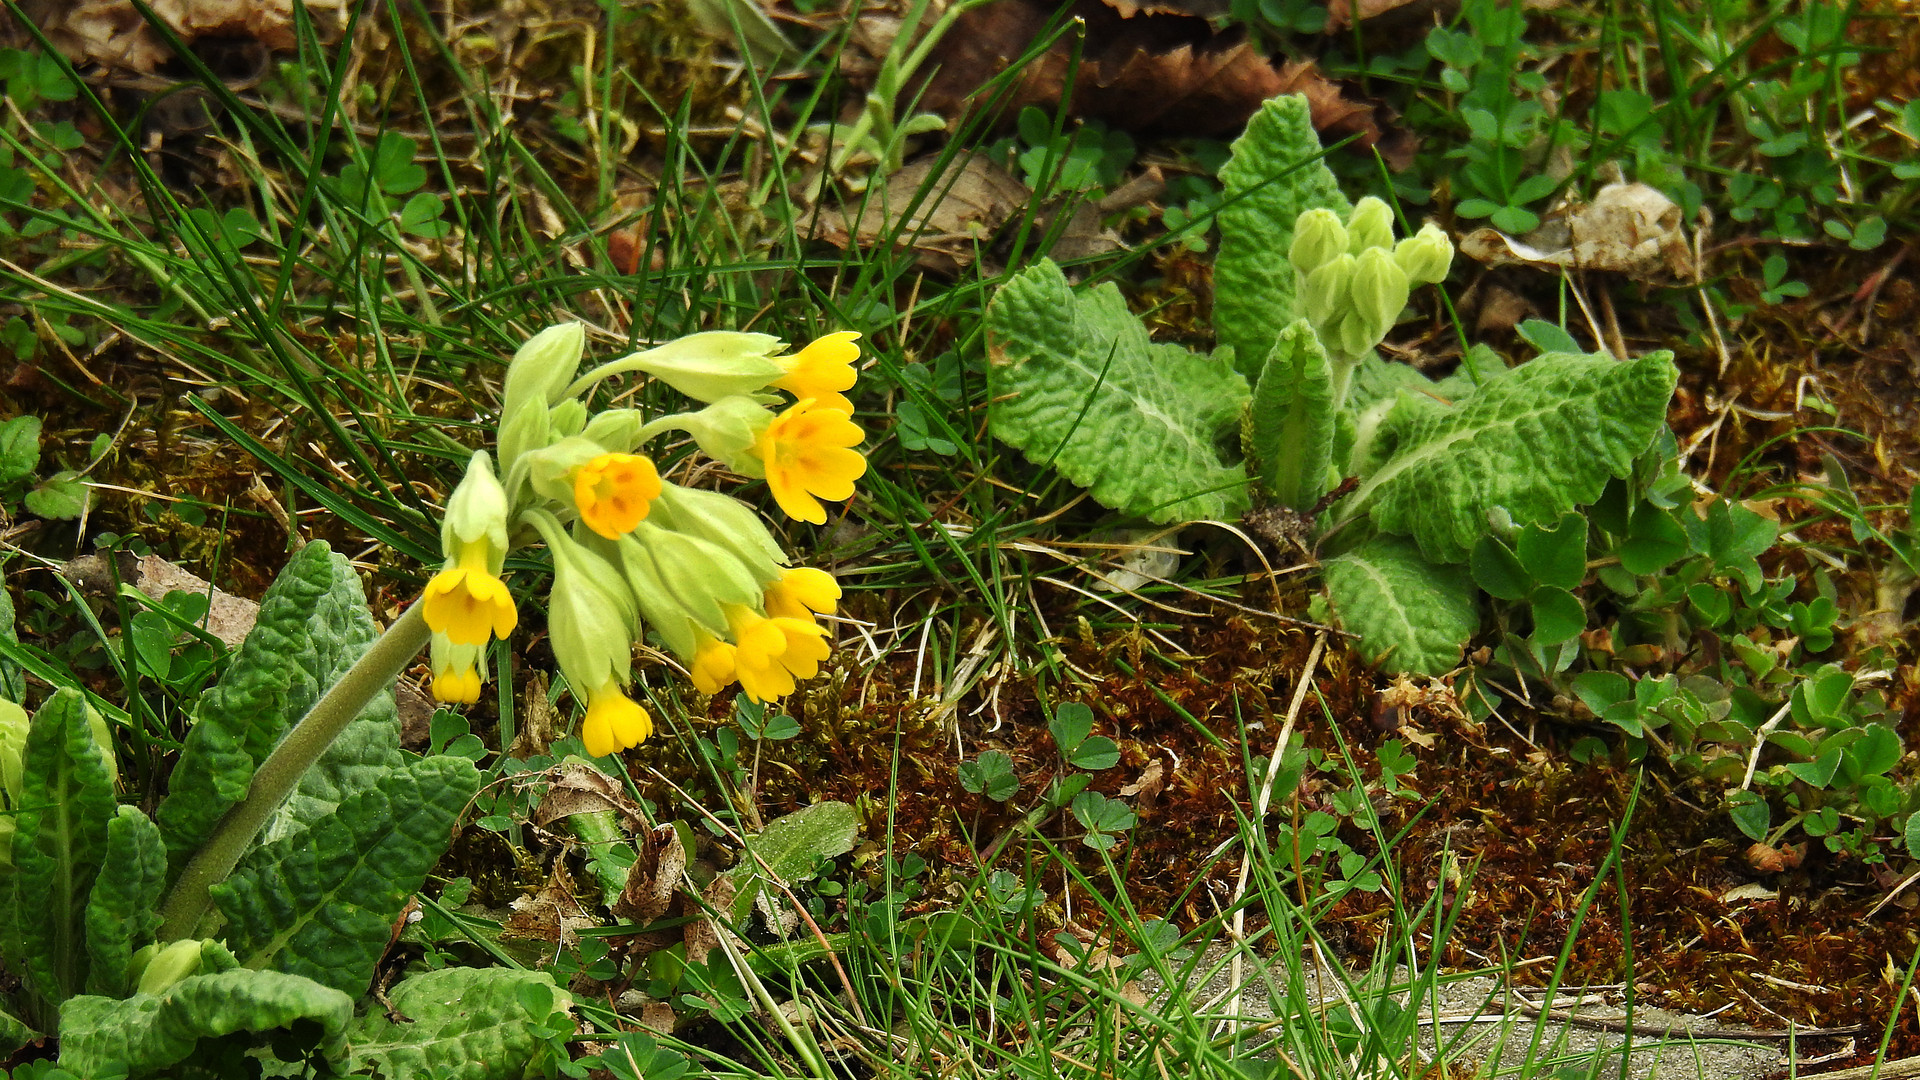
[281,772]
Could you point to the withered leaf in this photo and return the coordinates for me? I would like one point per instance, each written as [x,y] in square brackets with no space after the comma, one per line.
[1631,229]
[702,935]
[112,32]
[578,788]
[654,877]
[1154,74]
[553,914]
[963,206]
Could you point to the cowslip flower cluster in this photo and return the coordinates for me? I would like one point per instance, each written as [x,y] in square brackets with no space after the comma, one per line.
[634,552]
[1354,279]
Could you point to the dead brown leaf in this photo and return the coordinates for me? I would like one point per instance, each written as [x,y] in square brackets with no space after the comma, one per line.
[112,32]
[1344,13]
[1630,229]
[553,914]
[702,934]
[947,219]
[1154,74]
[578,788]
[655,876]
[1153,779]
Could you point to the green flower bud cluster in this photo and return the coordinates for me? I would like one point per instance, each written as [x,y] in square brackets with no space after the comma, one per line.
[630,550]
[1354,279]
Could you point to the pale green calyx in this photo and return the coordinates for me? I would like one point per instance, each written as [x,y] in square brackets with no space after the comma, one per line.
[706,366]
[568,418]
[1323,296]
[550,469]
[656,604]
[523,432]
[1318,237]
[13,744]
[1377,292]
[725,521]
[542,368]
[700,575]
[1369,226]
[478,508]
[619,430]
[1425,256]
[725,430]
[590,613]
[166,965]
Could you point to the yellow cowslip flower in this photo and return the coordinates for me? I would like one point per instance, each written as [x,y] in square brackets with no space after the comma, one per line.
[466,602]
[771,655]
[822,370]
[456,671]
[614,722]
[807,454]
[713,664]
[613,492]
[801,592]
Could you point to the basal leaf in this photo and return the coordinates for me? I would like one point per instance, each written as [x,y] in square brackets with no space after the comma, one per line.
[1538,441]
[1290,422]
[123,910]
[14,1034]
[466,1024]
[151,1033]
[13,683]
[59,843]
[791,847]
[1275,174]
[320,902]
[313,624]
[1075,383]
[1411,614]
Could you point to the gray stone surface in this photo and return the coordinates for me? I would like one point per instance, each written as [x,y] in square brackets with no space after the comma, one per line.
[1479,1027]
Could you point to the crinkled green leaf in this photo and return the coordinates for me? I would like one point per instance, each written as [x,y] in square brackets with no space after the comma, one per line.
[1290,422]
[19,448]
[60,840]
[1274,175]
[151,1033]
[791,847]
[313,624]
[14,1034]
[1538,441]
[13,682]
[466,1024]
[1411,614]
[1076,383]
[320,902]
[123,910]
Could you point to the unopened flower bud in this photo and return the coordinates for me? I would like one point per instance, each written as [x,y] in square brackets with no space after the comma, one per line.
[1318,236]
[619,430]
[1426,255]
[567,418]
[542,368]
[166,965]
[1351,335]
[477,510]
[1323,296]
[1370,226]
[1378,291]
